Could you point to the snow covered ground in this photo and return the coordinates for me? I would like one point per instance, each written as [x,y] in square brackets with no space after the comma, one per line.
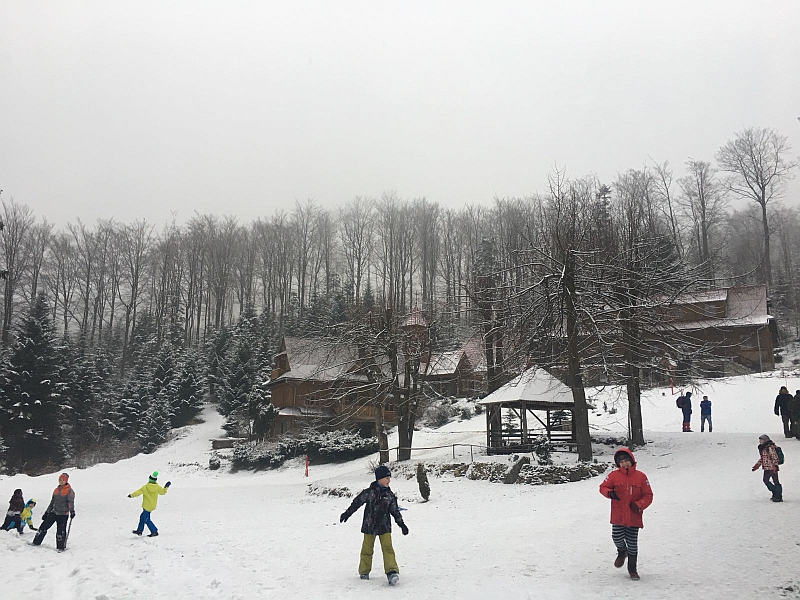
[711,531]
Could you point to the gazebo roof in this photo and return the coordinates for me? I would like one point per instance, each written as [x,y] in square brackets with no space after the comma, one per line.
[534,387]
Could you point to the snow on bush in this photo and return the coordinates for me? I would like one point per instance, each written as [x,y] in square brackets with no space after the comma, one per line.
[321,447]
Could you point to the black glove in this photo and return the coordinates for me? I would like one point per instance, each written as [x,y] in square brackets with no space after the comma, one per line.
[404,528]
[343,517]
[129,496]
[72,514]
[33,528]
[613,495]
[169,483]
[635,509]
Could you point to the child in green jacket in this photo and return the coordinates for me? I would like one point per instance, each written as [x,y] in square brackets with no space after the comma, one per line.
[150,492]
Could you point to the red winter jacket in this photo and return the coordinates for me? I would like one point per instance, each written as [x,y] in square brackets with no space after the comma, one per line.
[631,486]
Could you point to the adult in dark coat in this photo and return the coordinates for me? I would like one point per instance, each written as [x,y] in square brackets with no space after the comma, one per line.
[686,407]
[794,414]
[782,402]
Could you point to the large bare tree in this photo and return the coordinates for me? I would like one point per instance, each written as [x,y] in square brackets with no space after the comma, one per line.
[757,158]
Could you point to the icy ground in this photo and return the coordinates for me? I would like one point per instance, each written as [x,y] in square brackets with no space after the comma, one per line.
[711,531]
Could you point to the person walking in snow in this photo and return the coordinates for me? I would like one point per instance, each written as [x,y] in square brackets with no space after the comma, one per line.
[705,414]
[630,493]
[150,492]
[782,401]
[794,415]
[15,507]
[380,504]
[769,462]
[62,505]
[686,408]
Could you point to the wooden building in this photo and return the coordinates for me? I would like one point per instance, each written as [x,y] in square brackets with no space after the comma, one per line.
[321,384]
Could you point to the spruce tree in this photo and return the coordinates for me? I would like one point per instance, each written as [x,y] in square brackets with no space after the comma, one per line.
[31,395]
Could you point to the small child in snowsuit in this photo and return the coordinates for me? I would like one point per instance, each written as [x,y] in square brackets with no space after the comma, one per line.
[15,507]
[380,504]
[630,493]
[769,462]
[150,492]
[26,516]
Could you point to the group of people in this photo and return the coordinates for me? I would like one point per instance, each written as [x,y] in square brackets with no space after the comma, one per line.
[62,508]
[684,402]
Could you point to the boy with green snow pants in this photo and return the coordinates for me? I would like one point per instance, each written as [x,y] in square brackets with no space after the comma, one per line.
[380,503]
[150,492]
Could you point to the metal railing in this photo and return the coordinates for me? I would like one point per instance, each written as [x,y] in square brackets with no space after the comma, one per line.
[470,446]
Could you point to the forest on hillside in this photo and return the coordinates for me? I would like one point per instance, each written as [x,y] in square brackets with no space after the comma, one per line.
[112,333]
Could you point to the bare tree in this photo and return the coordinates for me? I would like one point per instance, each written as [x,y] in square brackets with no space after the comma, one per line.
[356,220]
[757,160]
[18,220]
[705,203]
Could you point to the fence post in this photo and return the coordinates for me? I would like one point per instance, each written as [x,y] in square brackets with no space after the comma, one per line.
[471,458]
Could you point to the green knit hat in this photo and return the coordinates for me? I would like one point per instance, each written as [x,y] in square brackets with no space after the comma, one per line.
[154,476]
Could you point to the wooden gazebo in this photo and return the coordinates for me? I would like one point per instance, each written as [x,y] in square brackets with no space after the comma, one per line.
[525,397]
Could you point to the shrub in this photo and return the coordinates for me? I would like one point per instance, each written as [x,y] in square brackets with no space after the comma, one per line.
[321,447]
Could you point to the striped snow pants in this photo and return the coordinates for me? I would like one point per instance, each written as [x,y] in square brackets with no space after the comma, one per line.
[626,539]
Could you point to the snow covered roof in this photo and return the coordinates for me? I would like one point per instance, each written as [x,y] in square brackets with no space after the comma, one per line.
[305,411]
[444,363]
[534,385]
[316,358]
[745,306]
[476,354]
[415,319]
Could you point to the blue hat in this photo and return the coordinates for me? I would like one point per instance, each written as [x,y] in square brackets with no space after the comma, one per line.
[382,471]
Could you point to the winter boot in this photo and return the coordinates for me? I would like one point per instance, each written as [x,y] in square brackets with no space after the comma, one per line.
[154,534]
[393,578]
[136,532]
[37,540]
[621,556]
[364,576]
[632,567]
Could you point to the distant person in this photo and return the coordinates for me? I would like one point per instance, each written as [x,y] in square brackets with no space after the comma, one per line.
[380,504]
[62,505]
[769,462]
[686,408]
[782,401]
[794,415]
[705,413]
[150,492]
[630,493]
[15,506]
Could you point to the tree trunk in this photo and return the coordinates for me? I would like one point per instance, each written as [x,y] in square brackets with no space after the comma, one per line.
[580,414]
[767,261]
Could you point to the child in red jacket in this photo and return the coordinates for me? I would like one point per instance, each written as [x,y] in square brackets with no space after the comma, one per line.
[630,494]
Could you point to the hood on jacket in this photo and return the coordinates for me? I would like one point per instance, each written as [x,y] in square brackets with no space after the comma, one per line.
[618,454]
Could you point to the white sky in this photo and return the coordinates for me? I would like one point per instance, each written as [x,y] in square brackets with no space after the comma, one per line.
[129,110]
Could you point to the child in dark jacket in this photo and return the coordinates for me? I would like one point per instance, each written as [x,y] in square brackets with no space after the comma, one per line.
[15,506]
[380,504]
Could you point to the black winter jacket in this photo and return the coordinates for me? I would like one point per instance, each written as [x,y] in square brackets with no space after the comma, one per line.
[782,402]
[380,502]
[17,502]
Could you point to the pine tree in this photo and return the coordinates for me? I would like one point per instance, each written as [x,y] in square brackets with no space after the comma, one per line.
[262,411]
[188,388]
[31,400]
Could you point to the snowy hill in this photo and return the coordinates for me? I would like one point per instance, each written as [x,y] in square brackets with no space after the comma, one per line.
[711,531]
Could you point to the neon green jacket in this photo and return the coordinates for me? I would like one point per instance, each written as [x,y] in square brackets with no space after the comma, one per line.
[151,492]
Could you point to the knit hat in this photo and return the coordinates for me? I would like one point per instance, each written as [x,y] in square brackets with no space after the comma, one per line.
[31,501]
[764,437]
[154,476]
[381,472]
[64,476]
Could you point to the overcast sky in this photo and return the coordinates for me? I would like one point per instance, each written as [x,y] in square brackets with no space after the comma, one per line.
[142,109]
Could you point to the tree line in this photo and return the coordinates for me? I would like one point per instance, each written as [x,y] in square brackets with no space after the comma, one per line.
[520,271]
